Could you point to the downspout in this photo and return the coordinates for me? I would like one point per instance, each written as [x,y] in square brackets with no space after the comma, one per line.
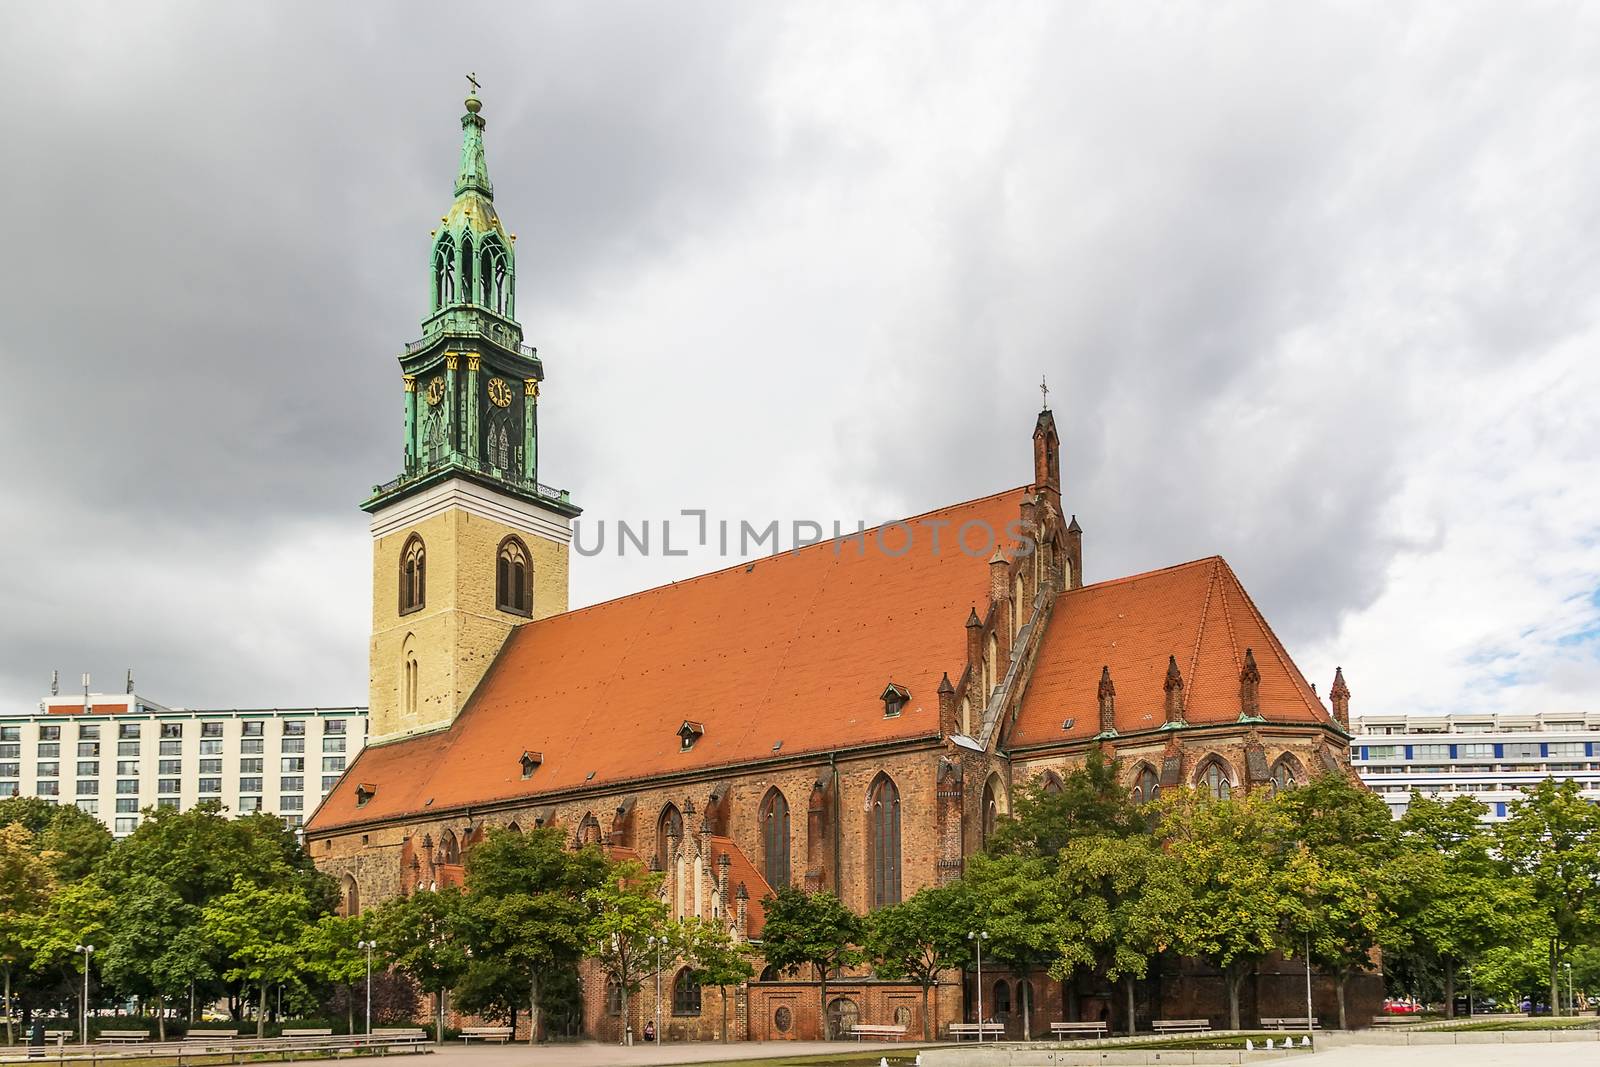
[838,814]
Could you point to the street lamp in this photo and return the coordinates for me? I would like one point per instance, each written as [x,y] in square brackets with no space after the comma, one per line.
[658,943]
[369,946]
[1571,999]
[88,951]
[978,937]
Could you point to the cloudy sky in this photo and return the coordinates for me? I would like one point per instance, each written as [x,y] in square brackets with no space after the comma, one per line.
[1315,288]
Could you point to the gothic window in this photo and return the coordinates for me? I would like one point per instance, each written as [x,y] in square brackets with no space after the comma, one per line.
[589,830]
[466,268]
[1284,775]
[449,848]
[436,435]
[613,997]
[352,897]
[1214,779]
[1146,786]
[1051,783]
[1018,609]
[685,994]
[669,831]
[991,811]
[444,272]
[1002,998]
[492,270]
[883,814]
[513,585]
[500,446]
[775,839]
[413,574]
[408,677]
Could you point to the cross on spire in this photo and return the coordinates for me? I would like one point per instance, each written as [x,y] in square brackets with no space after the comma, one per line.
[472,79]
[1044,394]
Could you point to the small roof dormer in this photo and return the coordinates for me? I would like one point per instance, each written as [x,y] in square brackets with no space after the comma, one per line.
[895,698]
[689,733]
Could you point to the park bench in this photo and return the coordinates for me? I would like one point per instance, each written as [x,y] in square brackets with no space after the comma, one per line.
[1180,1026]
[978,1030]
[1093,1029]
[122,1037]
[202,1036]
[878,1030]
[400,1034]
[501,1034]
[1289,1022]
[312,1032]
[60,1035]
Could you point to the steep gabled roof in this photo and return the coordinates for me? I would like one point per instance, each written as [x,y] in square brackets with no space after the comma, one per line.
[1197,612]
[794,649]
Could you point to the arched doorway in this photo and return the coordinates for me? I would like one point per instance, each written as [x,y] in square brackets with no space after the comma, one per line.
[843,1015]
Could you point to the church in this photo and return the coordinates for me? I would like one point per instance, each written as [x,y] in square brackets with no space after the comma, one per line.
[851,716]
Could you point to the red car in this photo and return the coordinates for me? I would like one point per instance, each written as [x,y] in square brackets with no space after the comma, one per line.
[1392,1006]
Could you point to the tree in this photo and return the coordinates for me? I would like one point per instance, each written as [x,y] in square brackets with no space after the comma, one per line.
[811,928]
[529,904]
[1226,853]
[425,936]
[76,914]
[919,938]
[1011,899]
[629,915]
[1119,902]
[259,929]
[331,950]
[1091,802]
[26,883]
[155,945]
[1461,900]
[716,959]
[1552,838]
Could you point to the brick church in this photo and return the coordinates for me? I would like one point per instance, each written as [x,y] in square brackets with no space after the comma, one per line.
[852,716]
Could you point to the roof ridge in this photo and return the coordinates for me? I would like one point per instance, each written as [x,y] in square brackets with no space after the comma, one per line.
[773,556]
[1141,575]
[1277,649]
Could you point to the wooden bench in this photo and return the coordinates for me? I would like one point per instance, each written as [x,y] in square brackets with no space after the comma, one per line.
[399,1034]
[978,1030]
[210,1035]
[60,1035]
[122,1037]
[1289,1022]
[312,1032]
[501,1034]
[1180,1026]
[1093,1029]
[878,1030]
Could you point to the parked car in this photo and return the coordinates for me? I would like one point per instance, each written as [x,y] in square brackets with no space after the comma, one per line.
[1400,1006]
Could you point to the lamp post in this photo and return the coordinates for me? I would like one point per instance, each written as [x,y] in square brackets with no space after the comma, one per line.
[369,946]
[1572,1001]
[658,943]
[977,937]
[88,951]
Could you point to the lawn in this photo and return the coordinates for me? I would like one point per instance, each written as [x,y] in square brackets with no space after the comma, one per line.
[1565,1022]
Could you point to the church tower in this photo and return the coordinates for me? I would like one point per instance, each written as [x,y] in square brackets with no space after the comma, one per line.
[466,543]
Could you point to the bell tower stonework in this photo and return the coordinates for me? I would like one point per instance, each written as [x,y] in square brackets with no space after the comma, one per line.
[466,543]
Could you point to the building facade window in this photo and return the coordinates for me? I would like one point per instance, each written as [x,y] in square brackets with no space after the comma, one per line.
[291,785]
[1146,785]
[47,770]
[252,746]
[685,994]
[128,730]
[669,831]
[250,785]
[1285,775]
[248,805]
[48,789]
[89,732]
[775,838]
[334,726]
[49,733]
[1215,781]
[170,730]
[883,820]
[211,748]
[210,785]
[169,785]
[413,575]
[253,729]
[127,748]
[211,729]
[513,578]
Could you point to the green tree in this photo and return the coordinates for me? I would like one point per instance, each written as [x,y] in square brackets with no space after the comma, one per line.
[76,914]
[1091,802]
[716,960]
[1460,900]
[330,948]
[812,929]
[1011,898]
[1225,852]
[155,946]
[26,882]
[629,916]
[1120,899]
[425,936]
[74,840]
[1552,839]
[530,903]
[920,938]
[259,929]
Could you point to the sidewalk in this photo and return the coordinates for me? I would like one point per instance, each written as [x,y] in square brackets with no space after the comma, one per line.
[594,1054]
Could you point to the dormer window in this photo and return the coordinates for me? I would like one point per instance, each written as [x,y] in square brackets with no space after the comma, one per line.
[689,733]
[365,792]
[530,762]
[894,698]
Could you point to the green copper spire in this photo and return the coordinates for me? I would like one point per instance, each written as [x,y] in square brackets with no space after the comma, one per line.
[474,175]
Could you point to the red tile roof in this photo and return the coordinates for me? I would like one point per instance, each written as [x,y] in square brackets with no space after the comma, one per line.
[1197,612]
[794,648]
[742,872]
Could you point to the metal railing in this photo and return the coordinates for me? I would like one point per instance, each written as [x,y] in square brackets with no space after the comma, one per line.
[506,478]
[238,1050]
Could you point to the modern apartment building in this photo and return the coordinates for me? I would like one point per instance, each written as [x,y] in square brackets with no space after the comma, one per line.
[1493,757]
[116,755]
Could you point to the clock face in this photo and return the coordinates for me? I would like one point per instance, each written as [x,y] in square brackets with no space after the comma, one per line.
[435,391]
[499,393]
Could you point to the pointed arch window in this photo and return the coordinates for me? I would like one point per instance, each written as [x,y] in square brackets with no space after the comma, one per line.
[467,291]
[589,830]
[685,994]
[1285,775]
[991,811]
[1215,780]
[449,848]
[775,838]
[883,815]
[513,578]
[413,575]
[444,272]
[493,270]
[669,831]
[352,897]
[409,677]
[1146,786]
[1051,784]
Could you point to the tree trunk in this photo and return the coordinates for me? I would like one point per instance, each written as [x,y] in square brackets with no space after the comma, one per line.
[1133,1025]
[261,1015]
[927,1020]
[1235,980]
[1450,990]
[533,1009]
[161,1017]
[350,1007]
[9,1036]
[1555,976]
[627,1020]
[724,991]
[1344,977]
[438,1002]
[822,986]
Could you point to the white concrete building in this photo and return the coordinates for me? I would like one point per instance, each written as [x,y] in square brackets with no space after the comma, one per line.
[116,755]
[1492,757]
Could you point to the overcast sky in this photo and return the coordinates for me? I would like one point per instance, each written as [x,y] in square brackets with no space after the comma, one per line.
[1315,289]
